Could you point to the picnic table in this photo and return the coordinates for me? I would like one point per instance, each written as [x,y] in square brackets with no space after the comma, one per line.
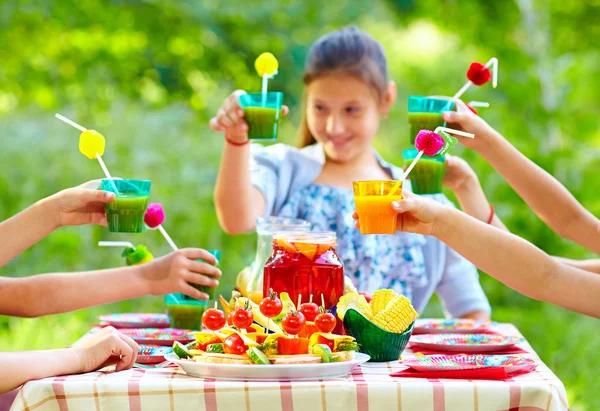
[368,387]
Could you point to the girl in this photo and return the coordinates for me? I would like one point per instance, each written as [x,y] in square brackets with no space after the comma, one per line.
[347,94]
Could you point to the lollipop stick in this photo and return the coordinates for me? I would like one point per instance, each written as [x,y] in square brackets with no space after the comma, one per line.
[453,131]
[70,122]
[462,90]
[265,80]
[166,236]
[115,244]
[408,170]
[108,176]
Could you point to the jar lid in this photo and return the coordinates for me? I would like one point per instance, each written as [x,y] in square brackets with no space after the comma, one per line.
[309,237]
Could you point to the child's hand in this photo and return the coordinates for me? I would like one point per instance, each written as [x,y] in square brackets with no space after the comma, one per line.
[416,214]
[106,347]
[464,119]
[230,118]
[174,272]
[458,173]
[79,205]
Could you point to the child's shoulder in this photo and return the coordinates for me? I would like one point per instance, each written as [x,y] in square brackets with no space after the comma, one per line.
[284,153]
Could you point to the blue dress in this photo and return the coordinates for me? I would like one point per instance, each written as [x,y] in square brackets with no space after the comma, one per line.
[411,264]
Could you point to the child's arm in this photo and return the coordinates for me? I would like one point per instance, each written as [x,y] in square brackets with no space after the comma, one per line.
[106,347]
[237,201]
[550,200]
[73,206]
[461,178]
[592,266]
[506,257]
[57,293]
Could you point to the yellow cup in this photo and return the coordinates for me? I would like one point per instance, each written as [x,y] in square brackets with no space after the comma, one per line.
[373,205]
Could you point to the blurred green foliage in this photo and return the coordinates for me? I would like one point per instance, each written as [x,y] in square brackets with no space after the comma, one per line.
[149,75]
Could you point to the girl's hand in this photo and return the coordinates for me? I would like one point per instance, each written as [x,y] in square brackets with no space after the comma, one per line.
[459,173]
[79,205]
[465,120]
[415,214]
[106,347]
[175,272]
[230,118]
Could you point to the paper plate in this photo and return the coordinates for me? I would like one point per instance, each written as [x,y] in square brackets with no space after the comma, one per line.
[272,372]
[152,354]
[512,363]
[449,326]
[136,320]
[465,342]
[158,336]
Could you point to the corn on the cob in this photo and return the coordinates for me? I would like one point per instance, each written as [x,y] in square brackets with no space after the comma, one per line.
[397,316]
[355,301]
[380,300]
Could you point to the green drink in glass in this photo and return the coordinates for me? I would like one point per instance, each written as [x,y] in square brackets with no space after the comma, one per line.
[204,288]
[185,313]
[261,115]
[125,214]
[428,175]
[425,113]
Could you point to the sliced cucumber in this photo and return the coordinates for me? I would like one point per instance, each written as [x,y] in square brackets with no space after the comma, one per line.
[181,350]
[257,356]
[215,348]
[323,351]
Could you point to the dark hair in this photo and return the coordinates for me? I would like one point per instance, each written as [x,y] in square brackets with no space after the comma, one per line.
[346,51]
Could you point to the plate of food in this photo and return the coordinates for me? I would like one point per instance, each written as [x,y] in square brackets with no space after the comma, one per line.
[158,336]
[136,320]
[232,355]
[465,342]
[511,363]
[450,326]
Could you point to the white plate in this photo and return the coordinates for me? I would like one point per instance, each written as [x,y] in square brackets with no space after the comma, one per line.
[271,372]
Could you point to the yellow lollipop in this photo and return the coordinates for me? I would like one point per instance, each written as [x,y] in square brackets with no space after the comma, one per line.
[266,64]
[90,143]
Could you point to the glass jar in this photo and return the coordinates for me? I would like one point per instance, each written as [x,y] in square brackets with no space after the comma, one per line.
[305,264]
[265,227]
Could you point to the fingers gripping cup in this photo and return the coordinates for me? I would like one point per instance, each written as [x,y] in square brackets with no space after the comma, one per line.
[125,214]
[262,115]
[373,205]
[425,113]
[210,291]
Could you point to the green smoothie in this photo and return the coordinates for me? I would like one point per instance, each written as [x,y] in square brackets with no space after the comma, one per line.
[263,122]
[125,213]
[204,288]
[427,176]
[423,121]
[187,317]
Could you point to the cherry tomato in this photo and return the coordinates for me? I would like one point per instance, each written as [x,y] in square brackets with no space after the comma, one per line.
[292,346]
[293,322]
[310,311]
[242,318]
[234,345]
[271,306]
[230,318]
[213,319]
[212,340]
[325,322]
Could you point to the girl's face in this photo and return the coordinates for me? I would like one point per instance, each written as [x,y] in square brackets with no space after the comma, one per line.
[343,114]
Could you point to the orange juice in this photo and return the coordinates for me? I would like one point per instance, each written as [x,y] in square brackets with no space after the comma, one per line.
[374,205]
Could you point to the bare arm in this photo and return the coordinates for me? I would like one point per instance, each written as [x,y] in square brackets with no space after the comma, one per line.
[237,201]
[58,293]
[548,198]
[518,263]
[592,266]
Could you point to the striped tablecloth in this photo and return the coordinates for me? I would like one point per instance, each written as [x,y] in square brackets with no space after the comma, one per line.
[369,387]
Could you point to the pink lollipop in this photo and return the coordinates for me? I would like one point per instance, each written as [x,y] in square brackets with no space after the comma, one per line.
[154,217]
[429,143]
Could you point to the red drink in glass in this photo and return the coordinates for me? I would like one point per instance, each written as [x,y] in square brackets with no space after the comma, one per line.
[305,264]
